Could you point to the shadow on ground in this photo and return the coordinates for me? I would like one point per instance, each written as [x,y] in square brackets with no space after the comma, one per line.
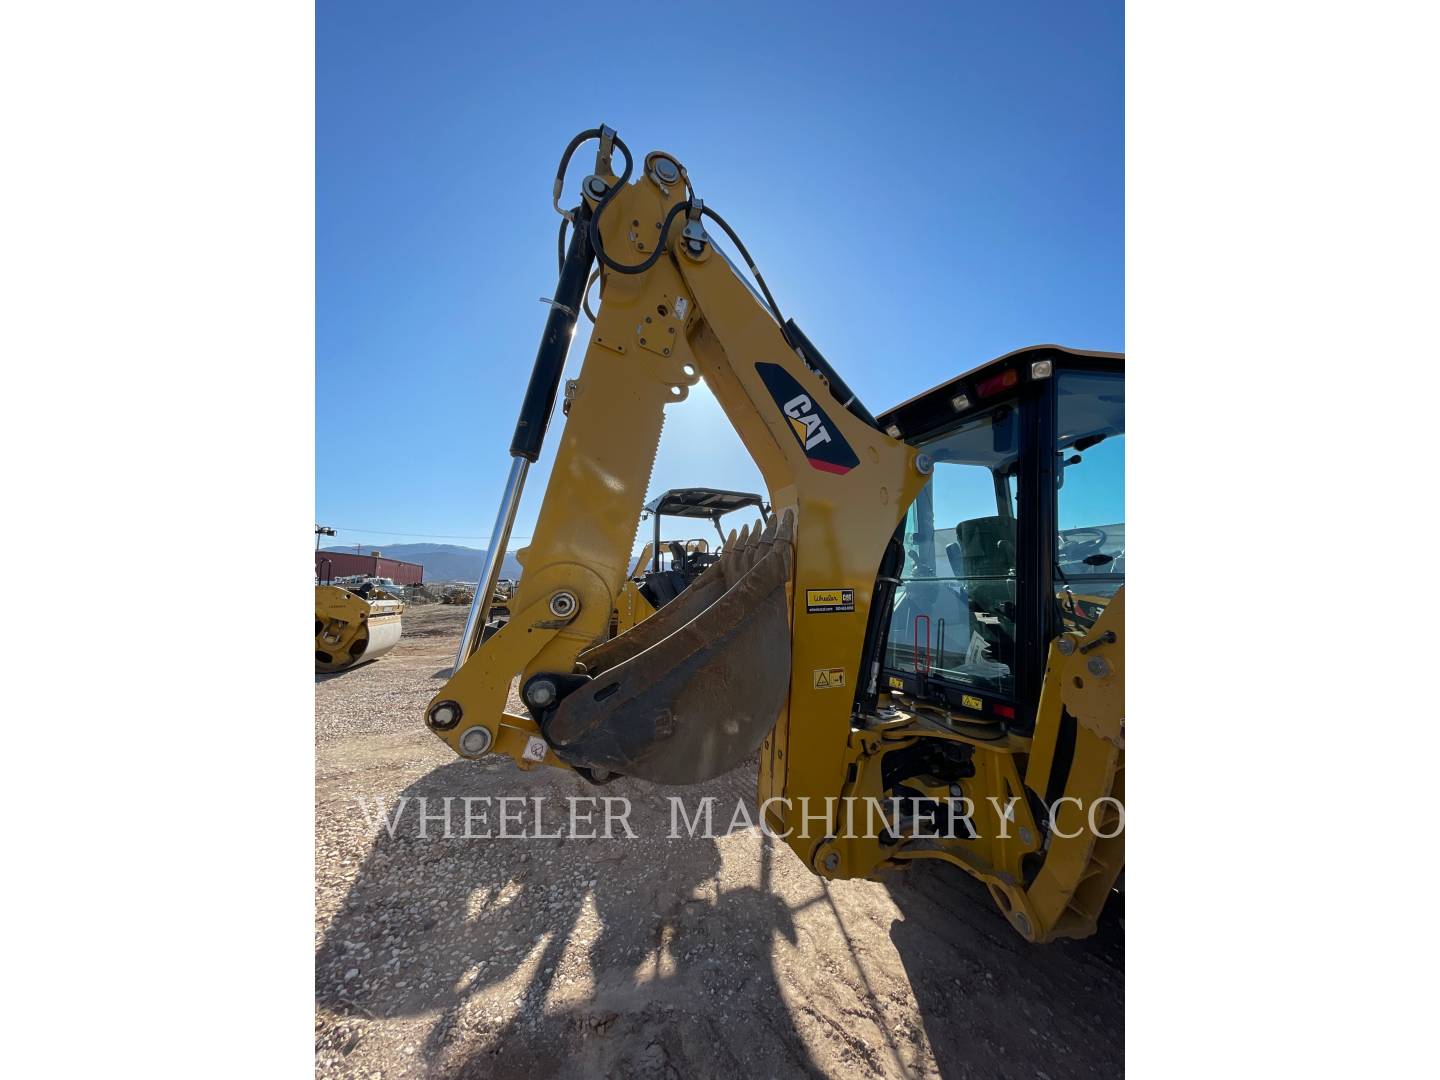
[659,957]
[543,957]
[995,1005]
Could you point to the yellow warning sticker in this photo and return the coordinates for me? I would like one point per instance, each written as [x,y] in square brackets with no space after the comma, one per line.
[896,683]
[828,677]
[971,702]
[825,600]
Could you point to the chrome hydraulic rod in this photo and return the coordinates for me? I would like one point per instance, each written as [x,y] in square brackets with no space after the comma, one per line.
[494,558]
[534,418]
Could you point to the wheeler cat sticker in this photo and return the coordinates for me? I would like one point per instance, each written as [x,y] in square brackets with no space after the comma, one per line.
[826,600]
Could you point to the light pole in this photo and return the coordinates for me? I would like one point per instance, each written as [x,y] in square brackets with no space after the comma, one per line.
[322,530]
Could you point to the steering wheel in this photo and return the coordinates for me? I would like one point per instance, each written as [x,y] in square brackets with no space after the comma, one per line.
[1081,542]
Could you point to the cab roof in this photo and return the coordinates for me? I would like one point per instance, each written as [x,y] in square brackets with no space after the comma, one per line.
[935,407]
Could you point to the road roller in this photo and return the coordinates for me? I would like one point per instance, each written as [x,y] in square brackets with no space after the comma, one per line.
[350,628]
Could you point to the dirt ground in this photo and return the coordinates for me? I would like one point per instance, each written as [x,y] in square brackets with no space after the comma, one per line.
[651,957]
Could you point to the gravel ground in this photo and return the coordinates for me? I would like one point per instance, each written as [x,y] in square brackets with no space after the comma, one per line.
[648,957]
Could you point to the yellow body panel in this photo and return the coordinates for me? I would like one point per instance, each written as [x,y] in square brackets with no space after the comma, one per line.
[630,608]
[844,523]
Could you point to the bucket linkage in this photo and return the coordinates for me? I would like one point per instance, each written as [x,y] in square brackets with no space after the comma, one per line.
[692,691]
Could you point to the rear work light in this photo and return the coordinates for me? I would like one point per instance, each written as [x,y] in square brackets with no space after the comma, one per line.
[996,383]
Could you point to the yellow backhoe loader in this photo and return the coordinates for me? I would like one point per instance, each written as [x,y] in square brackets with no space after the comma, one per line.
[666,568]
[929,624]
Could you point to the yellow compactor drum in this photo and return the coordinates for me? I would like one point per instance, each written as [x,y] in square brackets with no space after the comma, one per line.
[350,628]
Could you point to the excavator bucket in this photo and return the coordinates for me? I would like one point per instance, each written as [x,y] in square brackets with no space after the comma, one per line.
[692,691]
[351,628]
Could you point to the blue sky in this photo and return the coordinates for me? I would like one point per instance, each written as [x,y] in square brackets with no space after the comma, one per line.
[925,186]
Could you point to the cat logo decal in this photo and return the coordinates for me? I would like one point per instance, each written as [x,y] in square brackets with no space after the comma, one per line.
[825,447]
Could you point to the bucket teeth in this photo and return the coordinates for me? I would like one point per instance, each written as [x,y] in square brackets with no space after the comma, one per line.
[690,692]
[751,548]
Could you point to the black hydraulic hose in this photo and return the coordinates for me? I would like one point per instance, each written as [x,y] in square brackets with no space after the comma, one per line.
[567,216]
[749,262]
[605,200]
[598,244]
[640,267]
[593,275]
[591,133]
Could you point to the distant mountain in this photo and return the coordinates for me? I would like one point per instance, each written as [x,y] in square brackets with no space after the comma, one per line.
[442,562]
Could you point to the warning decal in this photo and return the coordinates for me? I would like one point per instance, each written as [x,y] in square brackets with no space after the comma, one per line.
[971,702]
[828,677]
[825,600]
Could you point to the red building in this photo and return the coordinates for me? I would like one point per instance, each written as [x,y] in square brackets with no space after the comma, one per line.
[333,564]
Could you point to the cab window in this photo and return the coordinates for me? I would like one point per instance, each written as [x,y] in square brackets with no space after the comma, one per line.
[1090,501]
[954,611]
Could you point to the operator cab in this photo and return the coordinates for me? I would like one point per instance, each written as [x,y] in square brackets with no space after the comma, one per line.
[675,563]
[1019,534]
